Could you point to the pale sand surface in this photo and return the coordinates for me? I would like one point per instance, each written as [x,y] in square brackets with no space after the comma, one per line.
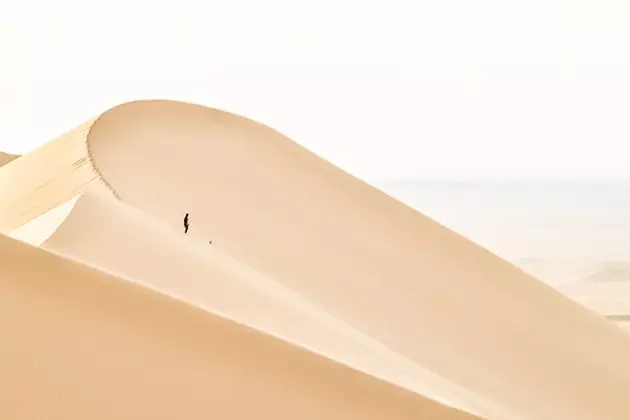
[83,344]
[523,349]
[126,241]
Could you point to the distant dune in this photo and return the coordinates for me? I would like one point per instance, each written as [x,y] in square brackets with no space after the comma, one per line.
[310,273]
[611,272]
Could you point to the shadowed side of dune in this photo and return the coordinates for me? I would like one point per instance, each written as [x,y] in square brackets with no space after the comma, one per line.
[131,243]
[6,158]
[78,343]
[375,263]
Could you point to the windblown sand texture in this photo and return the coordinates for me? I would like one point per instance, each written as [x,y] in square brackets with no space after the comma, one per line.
[319,296]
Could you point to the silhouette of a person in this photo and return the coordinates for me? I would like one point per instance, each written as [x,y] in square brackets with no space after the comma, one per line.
[186,225]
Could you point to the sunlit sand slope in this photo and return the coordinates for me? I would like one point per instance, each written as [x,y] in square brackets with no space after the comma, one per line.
[123,240]
[80,344]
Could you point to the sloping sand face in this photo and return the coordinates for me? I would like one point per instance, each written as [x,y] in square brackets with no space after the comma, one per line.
[80,344]
[126,241]
[373,262]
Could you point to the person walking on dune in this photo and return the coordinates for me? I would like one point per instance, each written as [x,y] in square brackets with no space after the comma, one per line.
[186,225]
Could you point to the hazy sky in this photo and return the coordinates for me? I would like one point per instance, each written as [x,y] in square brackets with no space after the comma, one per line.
[449,88]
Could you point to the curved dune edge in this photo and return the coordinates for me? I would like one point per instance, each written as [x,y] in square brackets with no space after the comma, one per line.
[127,242]
[421,290]
[85,344]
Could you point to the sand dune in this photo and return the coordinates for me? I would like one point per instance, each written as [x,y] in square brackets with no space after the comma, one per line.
[128,242]
[522,349]
[420,289]
[83,344]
